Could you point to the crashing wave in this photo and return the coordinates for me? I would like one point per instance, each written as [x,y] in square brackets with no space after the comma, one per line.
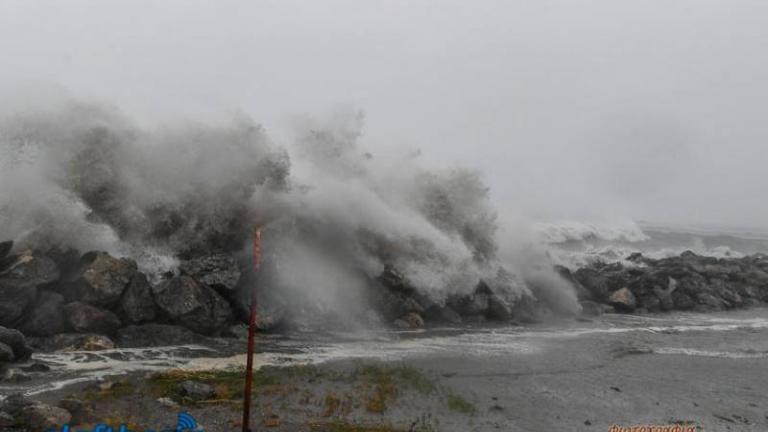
[82,176]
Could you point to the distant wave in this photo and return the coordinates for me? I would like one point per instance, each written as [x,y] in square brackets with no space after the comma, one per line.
[570,231]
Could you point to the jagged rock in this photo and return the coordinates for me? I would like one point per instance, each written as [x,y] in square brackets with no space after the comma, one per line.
[709,301]
[195,306]
[409,321]
[6,353]
[28,269]
[18,343]
[21,276]
[84,318]
[395,281]
[101,279]
[397,304]
[195,390]
[731,298]
[748,291]
[138,304]
[442,313]
[219,271]
[623,300]
[5,249]
[40,417]
[528,311]
[750,303]
[593,282]
[590,308]
[682,301]
[636,257]
[472,304]
[582,293]
[649,302]
[148,335]
[498,309]
[46,317]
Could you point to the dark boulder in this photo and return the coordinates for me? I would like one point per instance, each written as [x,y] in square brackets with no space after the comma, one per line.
[21,276]
[594,282]
[682,301]
[395,281]
[46,317]
[18,343]
[529,311]
[649,302]
[6,353]
[756,277]
[219,271]
[442,313]
[709,302]
[138,303]
[85,318]
[590,308]
[395,304]
[582,293]
[148,335]
[731,298]
[195,390]
[101,279]
[66,259]
[40,417]
[637,258]
[195,306]
[498,309]
[692,283]
[474,304]
[5,249]
[747,291]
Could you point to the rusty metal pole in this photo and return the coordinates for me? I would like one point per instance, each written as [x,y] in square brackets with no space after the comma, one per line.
[251,333]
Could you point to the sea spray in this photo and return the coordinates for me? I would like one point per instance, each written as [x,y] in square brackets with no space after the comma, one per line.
[84,176]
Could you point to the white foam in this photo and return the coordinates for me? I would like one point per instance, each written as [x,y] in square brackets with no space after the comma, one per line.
[707,353]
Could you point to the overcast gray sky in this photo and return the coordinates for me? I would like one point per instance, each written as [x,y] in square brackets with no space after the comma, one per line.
[645,109]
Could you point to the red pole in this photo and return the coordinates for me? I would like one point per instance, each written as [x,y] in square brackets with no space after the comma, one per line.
[251,334]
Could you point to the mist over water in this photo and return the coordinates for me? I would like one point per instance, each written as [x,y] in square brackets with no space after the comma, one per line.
[85,176]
